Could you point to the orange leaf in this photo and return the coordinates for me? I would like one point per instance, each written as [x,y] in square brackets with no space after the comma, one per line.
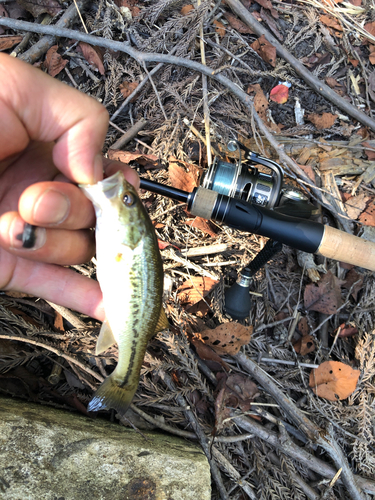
[194,289]
[325,120]
[204,225]
[186,9]
[334,380]
[304,345]
[7,41]
[92,56]
[183,175]
[54,63]
[219,28]
[147,161]
[368,216]
[237,24]
[279,94]
[126,88]
[228,337]
[331,22]
[266,50]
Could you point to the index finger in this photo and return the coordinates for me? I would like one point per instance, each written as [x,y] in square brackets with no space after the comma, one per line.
[37,107]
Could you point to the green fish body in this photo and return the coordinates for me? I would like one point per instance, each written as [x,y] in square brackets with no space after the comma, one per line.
[130,274]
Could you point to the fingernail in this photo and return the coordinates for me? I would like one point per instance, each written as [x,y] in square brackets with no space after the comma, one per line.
[98,168]
[24,235]
[52,207]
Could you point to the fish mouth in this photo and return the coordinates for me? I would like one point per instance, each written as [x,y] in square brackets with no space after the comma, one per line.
[111,184]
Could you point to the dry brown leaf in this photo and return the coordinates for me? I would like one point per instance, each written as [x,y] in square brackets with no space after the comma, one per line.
[331,22]
[7,41]
[303,326]
[334,380]
[219,28]
[204,225]
[355,205]
[325,120]
[351,278]
[370,27]
[92,56]
[206,353]
[304,345]
[126,88]
[325,296]
[54,63]
[266,50]
[228,337]
[131,5]
[345,331]
[147,161]
[186,9]
[367,217]
[237,25]
[266,4]
[261,106]
[194,289]
[183,175]
[37,7]
[59,322]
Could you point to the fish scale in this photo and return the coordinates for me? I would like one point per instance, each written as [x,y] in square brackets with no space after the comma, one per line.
[130,274]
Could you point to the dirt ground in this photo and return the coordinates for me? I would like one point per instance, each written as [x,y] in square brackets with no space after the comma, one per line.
[284,399]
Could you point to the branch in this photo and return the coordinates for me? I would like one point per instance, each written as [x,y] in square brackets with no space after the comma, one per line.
[311,430]
[316,84]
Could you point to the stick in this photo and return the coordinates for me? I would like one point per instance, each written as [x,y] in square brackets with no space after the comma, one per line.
[312,431]
[316,84]
[129,134]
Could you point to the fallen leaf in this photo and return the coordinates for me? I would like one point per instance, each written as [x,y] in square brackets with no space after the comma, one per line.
[331,22]
[333,380]
[126,88]
[237,25]
[371,57]
[279,94]
[186,9]
[309,171]
[219,28]
[14,10]
[370,28]
[7,41]
[367,217]
[206,353]
[131,5]
[147,161]
[325,120]
[265,49]
[271,23]
[227,338]
[165,244]
[266,4]
[37,7]
[304,345]
[194,289]
[355,205]
[260,101]
[370,152]
[183,175]
[54,63]
[351,278]
[92,56]
[303,326]
[59,322]
[345,331]
[204,225]
[325,296]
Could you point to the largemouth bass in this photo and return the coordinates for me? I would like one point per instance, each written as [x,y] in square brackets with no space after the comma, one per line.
[130,274]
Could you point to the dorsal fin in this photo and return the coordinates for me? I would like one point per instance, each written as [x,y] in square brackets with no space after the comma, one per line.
[105,339]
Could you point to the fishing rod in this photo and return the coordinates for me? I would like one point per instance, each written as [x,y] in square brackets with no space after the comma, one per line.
[242,196]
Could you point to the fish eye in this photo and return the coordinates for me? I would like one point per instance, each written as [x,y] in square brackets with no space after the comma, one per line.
[128,199]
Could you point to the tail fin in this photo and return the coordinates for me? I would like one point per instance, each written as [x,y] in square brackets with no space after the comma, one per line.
[110,395]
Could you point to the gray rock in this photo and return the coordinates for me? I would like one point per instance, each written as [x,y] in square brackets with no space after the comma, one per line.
[48,454]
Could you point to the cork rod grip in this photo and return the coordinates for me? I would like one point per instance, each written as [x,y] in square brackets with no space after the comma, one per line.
[347,248]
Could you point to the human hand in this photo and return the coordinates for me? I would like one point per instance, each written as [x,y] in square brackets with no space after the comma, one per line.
[51,137]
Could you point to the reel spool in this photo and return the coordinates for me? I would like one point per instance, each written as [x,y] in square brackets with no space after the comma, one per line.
[239,180]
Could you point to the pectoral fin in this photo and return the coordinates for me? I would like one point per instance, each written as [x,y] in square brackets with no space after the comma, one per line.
[162,323]
[105,339]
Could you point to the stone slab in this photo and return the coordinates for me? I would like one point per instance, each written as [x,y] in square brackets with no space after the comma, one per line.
[49,454]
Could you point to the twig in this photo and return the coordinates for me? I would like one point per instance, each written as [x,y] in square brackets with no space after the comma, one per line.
[300,454]
[200,136]
[190,417]
[68,315]
[207,250]
[156,91]
[41,46]
[316,84]
[304,424]
[56,351]
[129,134]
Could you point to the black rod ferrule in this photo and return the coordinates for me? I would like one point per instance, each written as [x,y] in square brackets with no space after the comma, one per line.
[168,191]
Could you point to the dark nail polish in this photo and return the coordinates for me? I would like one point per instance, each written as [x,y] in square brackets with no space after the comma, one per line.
[28,236]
